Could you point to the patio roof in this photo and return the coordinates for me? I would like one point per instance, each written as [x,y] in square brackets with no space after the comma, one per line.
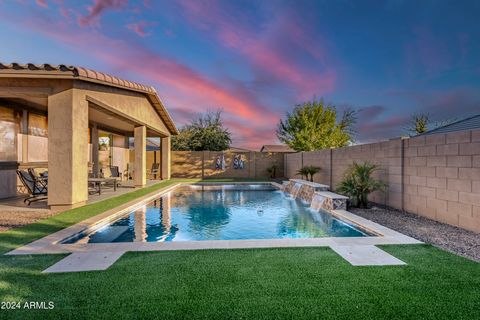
[74,72]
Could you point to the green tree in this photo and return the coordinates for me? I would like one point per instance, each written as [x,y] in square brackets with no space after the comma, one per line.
[421,123]
[418,124]
[204,132]
[314,126]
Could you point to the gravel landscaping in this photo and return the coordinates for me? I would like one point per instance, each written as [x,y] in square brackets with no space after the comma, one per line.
[453,239]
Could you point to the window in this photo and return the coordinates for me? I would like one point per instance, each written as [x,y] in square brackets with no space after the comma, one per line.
[9,128]
[37,125]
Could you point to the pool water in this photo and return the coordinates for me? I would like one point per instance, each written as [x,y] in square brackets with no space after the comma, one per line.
[193,213]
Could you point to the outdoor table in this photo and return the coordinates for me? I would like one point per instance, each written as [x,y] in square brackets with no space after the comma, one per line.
[97,182]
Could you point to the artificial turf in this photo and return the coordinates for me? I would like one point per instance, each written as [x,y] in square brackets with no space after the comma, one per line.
[294,283]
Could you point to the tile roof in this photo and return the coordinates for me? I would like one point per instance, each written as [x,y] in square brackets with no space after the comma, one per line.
[470,123]
[91,76]
[276,148]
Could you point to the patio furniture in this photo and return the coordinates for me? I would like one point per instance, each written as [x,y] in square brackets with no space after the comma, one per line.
[154,170]
[99,182]
[37,174]
[128,173]
[37,187]
[111,172]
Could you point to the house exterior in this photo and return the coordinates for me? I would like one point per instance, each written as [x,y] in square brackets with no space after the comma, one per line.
[73,121]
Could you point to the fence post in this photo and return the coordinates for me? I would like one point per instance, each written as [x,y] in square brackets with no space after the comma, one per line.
[254,165]
[331,168]
[402,173]
[203,164]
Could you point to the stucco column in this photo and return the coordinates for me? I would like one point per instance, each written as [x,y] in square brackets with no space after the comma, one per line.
[67,149]
[95,153]
[166,158]
[140,146]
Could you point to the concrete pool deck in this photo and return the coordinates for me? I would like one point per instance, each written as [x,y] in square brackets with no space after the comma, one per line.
[99,256]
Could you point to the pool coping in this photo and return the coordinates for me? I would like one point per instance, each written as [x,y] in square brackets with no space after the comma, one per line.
[51,244]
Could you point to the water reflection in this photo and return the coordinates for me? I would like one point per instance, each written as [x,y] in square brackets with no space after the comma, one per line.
[221,213]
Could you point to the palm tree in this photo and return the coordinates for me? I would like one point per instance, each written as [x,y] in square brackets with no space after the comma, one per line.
[308,171]
[359,183]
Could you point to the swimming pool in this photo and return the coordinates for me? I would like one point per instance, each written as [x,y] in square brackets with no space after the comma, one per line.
[220,212]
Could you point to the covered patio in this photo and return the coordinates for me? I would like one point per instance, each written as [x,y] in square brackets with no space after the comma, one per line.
[78,124]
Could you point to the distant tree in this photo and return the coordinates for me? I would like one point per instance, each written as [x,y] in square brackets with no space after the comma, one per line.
[421,123]
[418,124]
[314,126]
[204,132]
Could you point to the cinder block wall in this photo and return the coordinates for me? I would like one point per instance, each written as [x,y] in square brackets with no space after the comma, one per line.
[198,164]
[437,176]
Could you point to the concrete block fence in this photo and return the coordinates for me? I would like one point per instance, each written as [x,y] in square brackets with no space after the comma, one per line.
[436,176]
[201,164]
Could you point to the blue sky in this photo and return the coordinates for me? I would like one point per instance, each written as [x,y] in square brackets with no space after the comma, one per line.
[257,59]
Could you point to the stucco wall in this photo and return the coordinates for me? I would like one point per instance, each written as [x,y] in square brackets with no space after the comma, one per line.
[197,164]
[438,175]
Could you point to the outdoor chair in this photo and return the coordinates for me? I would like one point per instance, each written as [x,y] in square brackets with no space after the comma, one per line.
[37,187]
[154,170]
[111,172]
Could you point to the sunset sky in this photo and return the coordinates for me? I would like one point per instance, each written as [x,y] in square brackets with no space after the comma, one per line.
[257,59]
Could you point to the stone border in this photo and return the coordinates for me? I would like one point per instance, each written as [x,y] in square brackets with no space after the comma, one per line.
[52,243]
[358,251]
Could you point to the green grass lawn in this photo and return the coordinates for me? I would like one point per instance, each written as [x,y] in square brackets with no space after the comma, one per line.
[292,283]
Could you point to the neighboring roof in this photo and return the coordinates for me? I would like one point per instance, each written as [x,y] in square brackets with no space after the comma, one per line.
[470,123]
[235,149]
[276,148]
[74,72]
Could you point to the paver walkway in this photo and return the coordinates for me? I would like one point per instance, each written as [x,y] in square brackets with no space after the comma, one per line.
[85,261]
[366,256]
[356,255]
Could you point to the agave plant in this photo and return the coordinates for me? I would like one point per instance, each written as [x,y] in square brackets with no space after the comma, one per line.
[358,183]
[308,172]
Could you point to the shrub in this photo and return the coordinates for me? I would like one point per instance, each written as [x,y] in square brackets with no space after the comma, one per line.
[272,170]
[308,171]
[358,183]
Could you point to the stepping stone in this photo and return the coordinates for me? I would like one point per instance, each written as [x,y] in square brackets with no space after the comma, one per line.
[85,261]
[366,255]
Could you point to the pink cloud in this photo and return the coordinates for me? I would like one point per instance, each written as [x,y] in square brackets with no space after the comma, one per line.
[265,48]
[98,7]
[42,3]
[180,86]
[140,27]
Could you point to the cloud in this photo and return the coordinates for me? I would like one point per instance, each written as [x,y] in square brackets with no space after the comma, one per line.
[374,123]
[280,52]
[98,7]
[42,3]
[181,87]
[140,27]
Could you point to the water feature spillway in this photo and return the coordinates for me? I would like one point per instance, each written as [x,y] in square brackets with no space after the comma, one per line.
[317,202]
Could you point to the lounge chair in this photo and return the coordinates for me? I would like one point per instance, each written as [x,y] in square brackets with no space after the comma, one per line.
[37,187]
[154,170]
